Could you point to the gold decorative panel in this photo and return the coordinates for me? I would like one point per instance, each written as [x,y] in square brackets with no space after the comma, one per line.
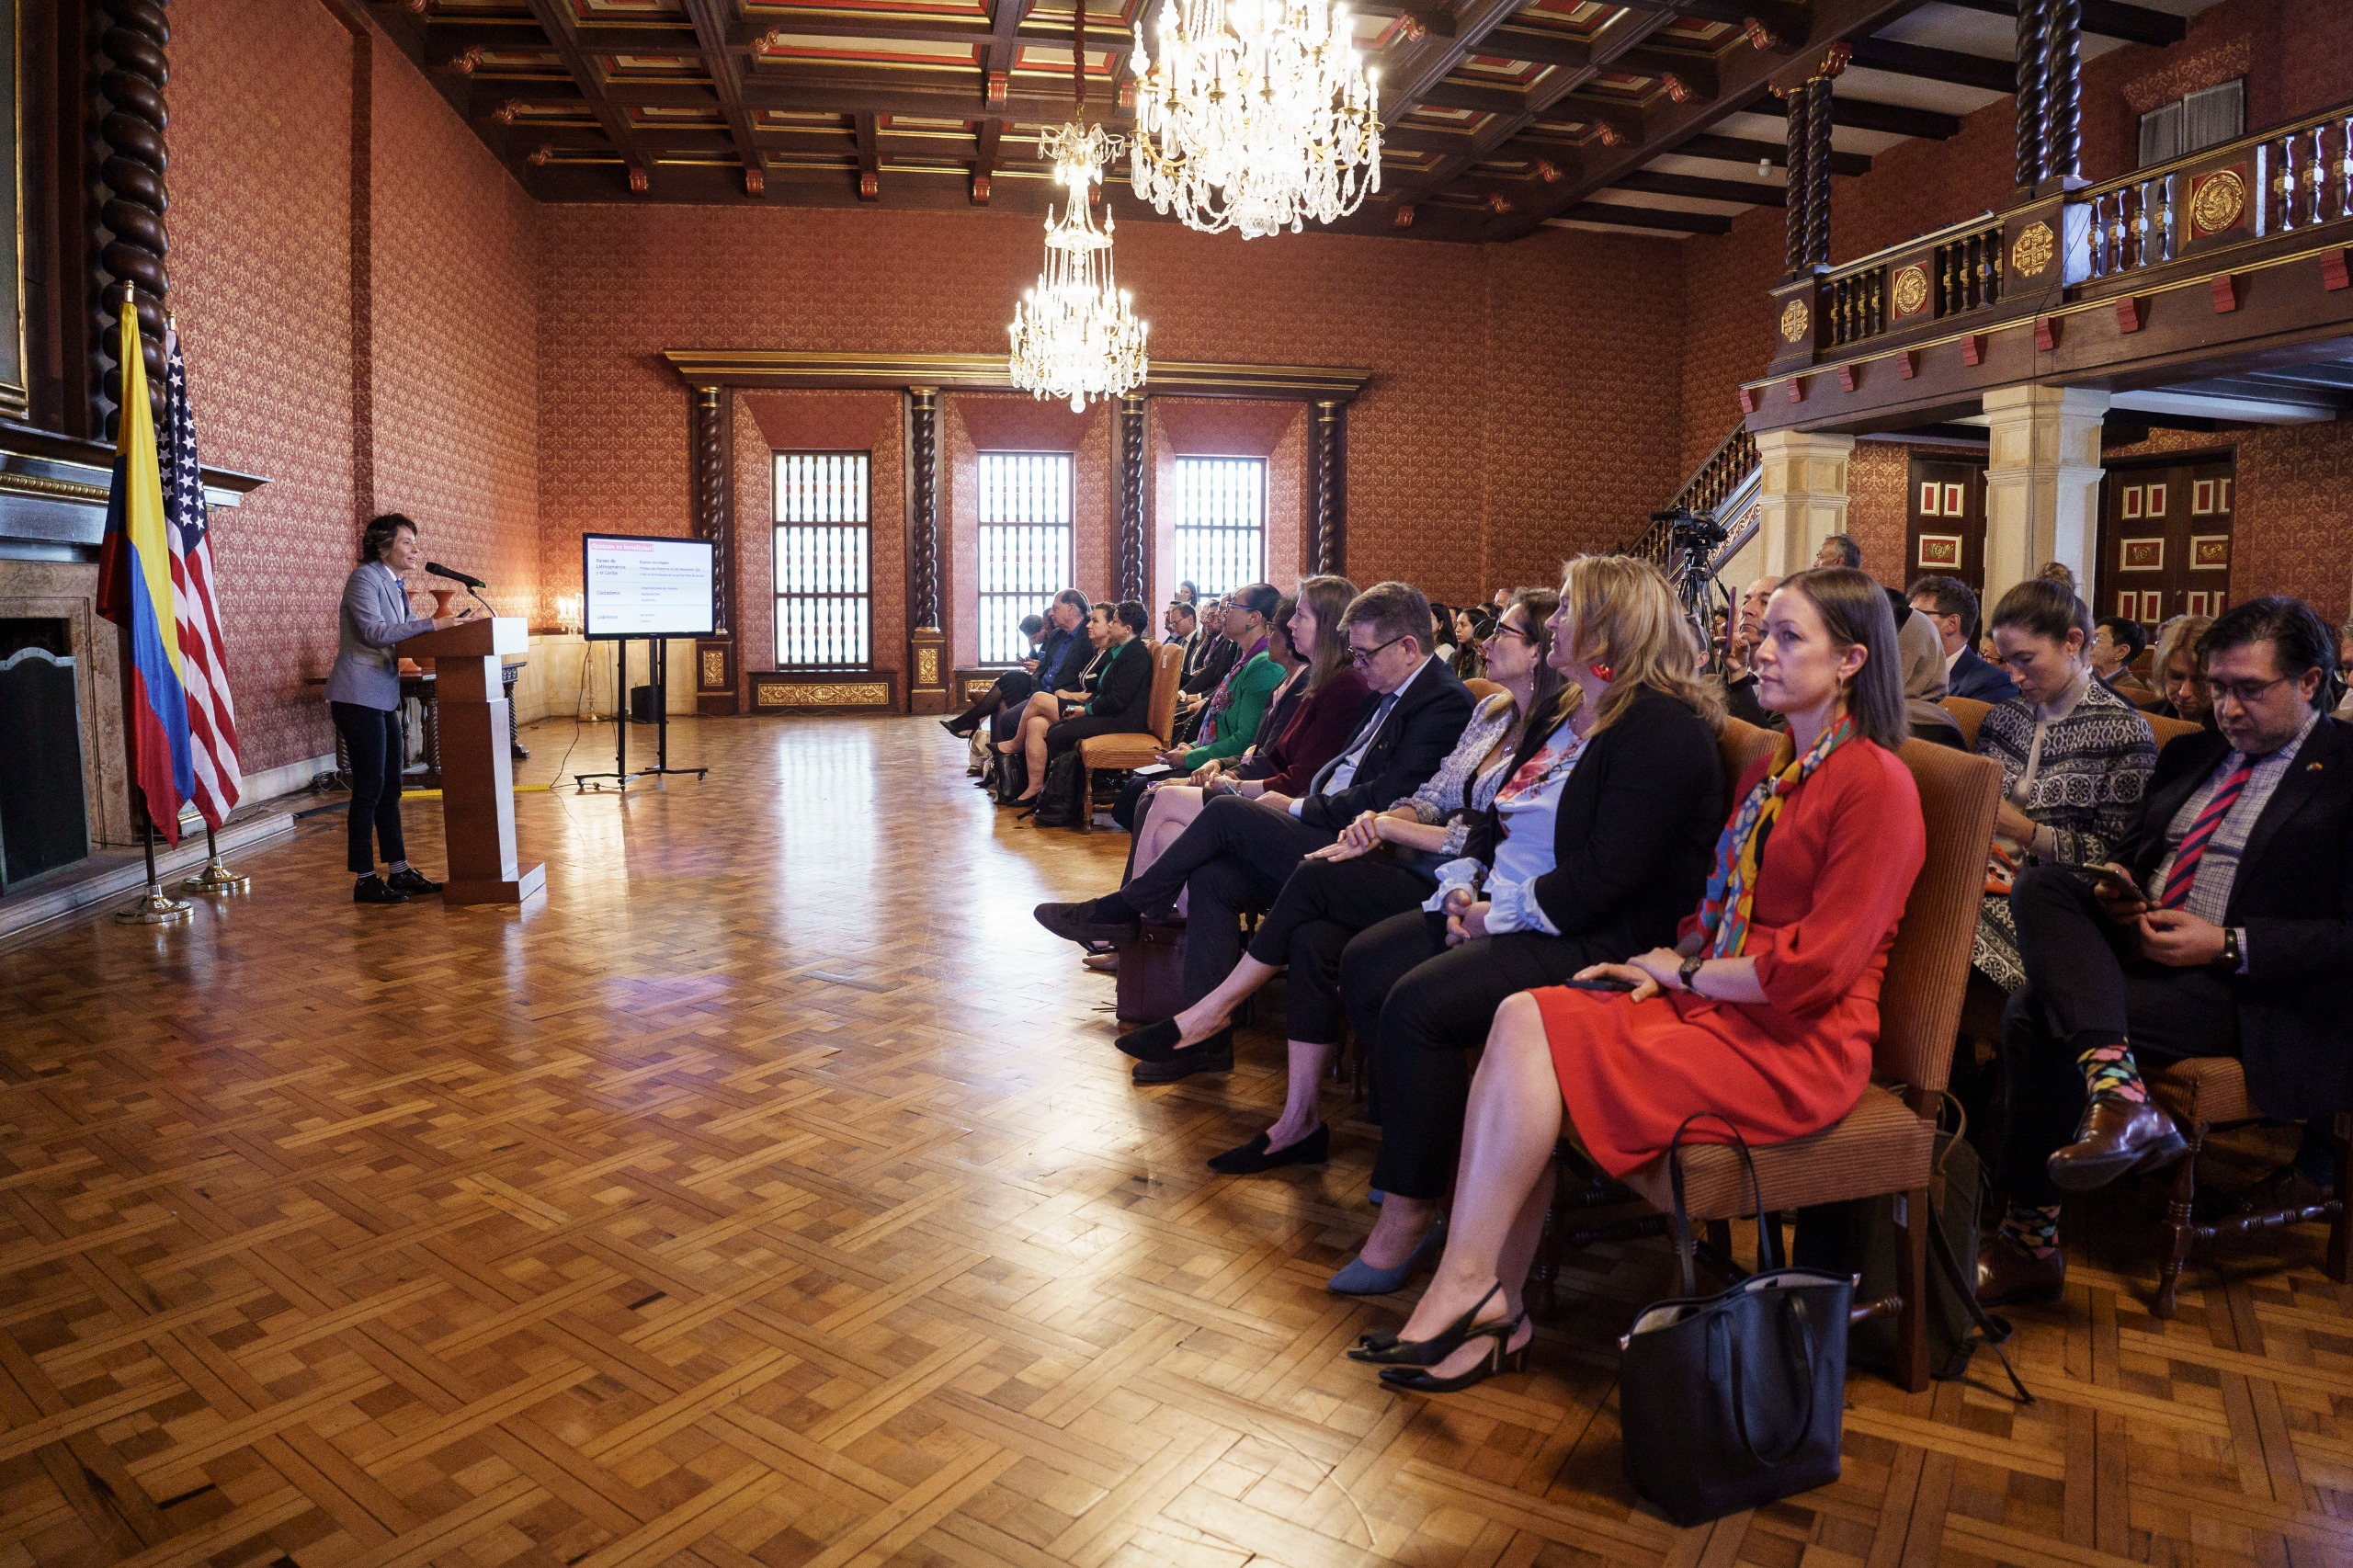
[926,667]
[714,669]
[1911,290]
[1794,320]
[804,694]
[2033,250]
[2216,202]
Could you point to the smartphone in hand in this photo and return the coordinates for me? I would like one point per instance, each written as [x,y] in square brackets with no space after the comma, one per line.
[2113,883]
[1600,983]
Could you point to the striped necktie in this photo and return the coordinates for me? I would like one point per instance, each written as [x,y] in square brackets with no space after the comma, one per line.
[2201,833]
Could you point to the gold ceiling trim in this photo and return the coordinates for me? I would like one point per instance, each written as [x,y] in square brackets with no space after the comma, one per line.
[797,368]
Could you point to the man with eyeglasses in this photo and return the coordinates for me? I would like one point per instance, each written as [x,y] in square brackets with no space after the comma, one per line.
[1237,854]
[2225,928]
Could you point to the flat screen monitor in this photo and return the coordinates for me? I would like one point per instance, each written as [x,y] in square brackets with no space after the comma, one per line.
[634,586]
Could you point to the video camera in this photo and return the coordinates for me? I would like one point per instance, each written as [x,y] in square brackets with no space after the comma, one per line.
[1696,531]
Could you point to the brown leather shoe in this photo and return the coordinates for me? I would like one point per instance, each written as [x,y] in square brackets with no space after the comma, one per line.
[2009,1276]
[2115,1136]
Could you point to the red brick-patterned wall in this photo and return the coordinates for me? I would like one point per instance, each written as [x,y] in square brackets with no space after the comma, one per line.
[1522,395]
[262,248]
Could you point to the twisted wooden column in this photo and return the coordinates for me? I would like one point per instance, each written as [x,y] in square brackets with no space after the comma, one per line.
[1327,499]
[1800,187]
[2062,139]
[1817,172]
[1132,541]
[928,673]
[2034,32]
[714,500]
[128,239]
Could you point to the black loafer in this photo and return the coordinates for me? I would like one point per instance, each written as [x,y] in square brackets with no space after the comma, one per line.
[1215,1056]
[1083,923]
[1153,1042]
[1253,1158]
[413,882]
[371,890]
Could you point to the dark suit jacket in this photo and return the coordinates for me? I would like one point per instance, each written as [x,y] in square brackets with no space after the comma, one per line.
[2293,896]
[1411,743]
[1635,832]
[1123,687]
[1740,701]
[1974,676]
[1212,667]
[1057,669]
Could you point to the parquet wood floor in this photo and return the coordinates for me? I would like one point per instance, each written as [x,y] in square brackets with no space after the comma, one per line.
[771,1194]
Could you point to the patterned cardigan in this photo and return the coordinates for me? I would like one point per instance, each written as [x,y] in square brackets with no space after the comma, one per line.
[1459,791]
[2095,766]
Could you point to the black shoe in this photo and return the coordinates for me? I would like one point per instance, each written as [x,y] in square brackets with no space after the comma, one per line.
[959,728]
[370,888]
[1253,1158]
[1499,1359]
[1087,922]
[1153,1042]
[413,882]
[1213,1056]
[1396,1352]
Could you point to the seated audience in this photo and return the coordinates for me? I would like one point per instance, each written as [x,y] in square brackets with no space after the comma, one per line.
[2116,641]
[1313,714]
[1239,852]
[1443,642]
[1045,707]
[1121,703]
[1229,715]
[1473,624]
[1053,647]
[1383,864]
[2343,706]
[2175,663]
[1740,678]
[1838,549]
[2075,757]
[1763,1017]
[1209,660]
[1951,607]
[2227,931]
[1923,651]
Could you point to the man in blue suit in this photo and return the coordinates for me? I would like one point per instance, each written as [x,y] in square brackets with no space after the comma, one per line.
[1949,603]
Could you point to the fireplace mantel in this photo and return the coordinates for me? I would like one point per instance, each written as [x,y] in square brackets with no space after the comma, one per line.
[54,491]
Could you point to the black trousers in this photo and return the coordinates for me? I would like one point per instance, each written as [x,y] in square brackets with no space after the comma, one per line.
[1065,734]
[1423,1005]
[1010,690]
[371,739]
[1233,857]
[1321,907]
[2083,980]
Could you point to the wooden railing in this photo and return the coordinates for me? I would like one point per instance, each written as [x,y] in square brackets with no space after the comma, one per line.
[1719,476]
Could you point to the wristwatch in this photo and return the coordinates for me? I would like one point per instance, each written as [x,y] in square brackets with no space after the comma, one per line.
[1688,971]
[2231,958]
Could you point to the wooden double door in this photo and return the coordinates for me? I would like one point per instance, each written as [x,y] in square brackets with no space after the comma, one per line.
[2165,537]
[1945,520]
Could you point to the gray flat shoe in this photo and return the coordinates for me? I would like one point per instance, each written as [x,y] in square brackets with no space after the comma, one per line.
[1362,1278]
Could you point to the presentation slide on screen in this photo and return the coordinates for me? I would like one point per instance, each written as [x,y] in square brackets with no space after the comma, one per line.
[647,587]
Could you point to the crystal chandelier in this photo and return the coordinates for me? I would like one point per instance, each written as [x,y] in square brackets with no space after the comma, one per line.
[1258,114]
[1074,335]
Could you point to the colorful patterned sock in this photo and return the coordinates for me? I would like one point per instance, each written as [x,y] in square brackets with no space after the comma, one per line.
[2111,1073]
[2032,1228]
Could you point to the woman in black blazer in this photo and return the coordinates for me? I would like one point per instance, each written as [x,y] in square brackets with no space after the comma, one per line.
[1122,700]
[1598,842]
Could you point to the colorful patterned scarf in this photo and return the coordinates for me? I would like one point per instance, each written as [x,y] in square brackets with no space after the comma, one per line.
[1732,886]
[1225,692]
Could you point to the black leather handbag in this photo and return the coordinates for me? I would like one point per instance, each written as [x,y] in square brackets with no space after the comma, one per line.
[1734,1399]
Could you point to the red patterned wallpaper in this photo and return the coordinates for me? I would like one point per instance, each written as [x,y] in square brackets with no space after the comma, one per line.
[263,283]
[454,350]
[261,280]
[1877,477]
[1519,391]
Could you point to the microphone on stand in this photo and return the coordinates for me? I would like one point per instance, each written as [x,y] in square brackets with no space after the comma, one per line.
[473,584]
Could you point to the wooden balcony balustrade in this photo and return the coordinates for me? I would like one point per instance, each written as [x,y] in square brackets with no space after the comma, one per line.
[2239,245]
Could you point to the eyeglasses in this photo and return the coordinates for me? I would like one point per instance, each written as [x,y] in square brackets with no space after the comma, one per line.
[1361,656]
[2245,693]
[1502,632]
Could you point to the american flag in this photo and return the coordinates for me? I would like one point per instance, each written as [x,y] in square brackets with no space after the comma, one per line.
[211,715]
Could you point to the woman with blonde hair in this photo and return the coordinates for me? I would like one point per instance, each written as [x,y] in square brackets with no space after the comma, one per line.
[1593,848]
[1762,1016]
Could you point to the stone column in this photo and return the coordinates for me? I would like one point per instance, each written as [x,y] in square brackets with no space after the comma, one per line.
[2041,484]
[1130,425]
[1801,496]
[715,656]
[926,643]
[1327,487]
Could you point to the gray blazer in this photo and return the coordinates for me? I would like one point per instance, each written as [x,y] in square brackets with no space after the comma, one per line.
[376,614]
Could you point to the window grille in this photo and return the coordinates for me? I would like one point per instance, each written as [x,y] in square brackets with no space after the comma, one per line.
[1025,545]
[1221,522]
[825,562]
[2194,123]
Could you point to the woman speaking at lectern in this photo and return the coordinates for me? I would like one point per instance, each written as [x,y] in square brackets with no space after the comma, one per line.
[364,695]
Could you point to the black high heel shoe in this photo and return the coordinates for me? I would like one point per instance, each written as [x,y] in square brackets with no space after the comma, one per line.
[1500,1359]
[1438,1346]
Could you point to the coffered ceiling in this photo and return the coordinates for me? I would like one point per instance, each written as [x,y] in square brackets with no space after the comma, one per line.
[1499,116]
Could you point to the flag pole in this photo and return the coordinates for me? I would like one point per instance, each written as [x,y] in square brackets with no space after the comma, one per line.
[153,906]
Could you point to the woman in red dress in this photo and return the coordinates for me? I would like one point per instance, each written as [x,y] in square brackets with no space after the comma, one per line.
[1765,1013]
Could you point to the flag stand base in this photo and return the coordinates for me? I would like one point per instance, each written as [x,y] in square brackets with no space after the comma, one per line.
[216,878]
[153,908]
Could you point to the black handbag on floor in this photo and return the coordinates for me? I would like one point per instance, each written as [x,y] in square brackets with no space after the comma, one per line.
[1731,1401]
[1008,776]
[1061,800]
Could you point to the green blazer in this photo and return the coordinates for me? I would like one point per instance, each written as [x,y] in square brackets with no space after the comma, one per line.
[1237,723]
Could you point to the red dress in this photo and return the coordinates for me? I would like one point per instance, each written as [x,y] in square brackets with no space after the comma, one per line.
[1838,866]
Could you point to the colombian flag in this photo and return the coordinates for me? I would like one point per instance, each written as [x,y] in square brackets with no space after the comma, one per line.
[135,591]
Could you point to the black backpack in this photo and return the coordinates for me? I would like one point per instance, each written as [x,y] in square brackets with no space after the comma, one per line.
[1063,802]
[1008,776]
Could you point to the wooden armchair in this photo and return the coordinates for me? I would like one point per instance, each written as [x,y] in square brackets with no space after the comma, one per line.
[1887,1143]
[1135,749]
[1969,713]
[2208,1093]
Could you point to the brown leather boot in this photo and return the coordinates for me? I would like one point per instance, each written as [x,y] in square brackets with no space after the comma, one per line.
[2008,1275]
[2115,1136]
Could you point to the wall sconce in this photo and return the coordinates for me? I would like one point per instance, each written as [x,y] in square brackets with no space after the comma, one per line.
[567,612]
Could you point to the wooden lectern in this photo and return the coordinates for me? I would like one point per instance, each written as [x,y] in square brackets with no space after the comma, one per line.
[477,773]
